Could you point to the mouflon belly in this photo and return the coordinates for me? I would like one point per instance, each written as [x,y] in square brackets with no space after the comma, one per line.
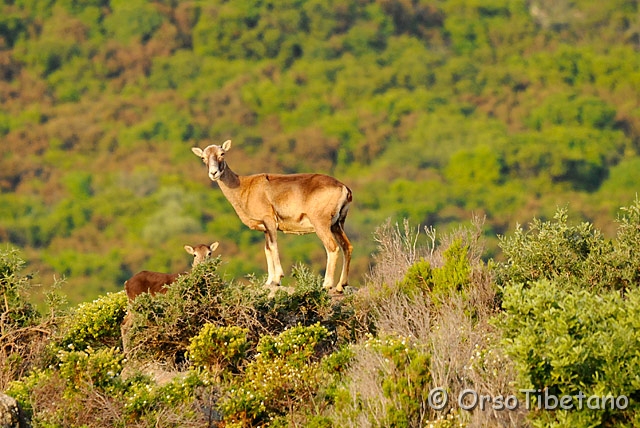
[299,225]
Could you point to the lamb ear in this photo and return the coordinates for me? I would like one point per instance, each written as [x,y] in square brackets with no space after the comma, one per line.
[213,246]
[197,151]
[226,145]
[189,249]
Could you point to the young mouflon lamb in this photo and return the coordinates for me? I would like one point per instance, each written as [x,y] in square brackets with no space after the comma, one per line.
[156,282]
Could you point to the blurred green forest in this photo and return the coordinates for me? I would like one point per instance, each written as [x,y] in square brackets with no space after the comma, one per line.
[430,110]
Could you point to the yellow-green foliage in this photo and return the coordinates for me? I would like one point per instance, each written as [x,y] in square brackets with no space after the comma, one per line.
[16,311]
[406,377]
[218,348]
[143,397]
[398,368]
[454,275]
[99,368]
[437,283]
[24,389]
[284,375]
[95,323]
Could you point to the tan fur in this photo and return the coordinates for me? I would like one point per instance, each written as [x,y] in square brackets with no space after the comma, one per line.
[156,282]
[292,203]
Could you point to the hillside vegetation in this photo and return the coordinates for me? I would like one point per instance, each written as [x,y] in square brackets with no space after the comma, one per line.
[428,110]
[549,337]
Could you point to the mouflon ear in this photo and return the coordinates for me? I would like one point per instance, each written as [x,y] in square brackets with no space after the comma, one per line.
[189,249]
[226,145]
[197,151]
[213,246]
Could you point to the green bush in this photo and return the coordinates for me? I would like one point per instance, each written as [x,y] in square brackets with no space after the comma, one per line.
[16,311]
[570,300]
[95,324]
[99,368]
[454,276]
[163,325]
[132,20]
[548,250]
[570,342]
[563,109]
[144,399]
[398,379]
[218,348]
[418,278]
[408,380]
[573,255]
[284,375]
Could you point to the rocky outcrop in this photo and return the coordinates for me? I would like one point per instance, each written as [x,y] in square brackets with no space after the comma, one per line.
[9,412]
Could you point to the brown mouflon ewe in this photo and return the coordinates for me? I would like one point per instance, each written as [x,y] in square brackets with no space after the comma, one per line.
[292,203]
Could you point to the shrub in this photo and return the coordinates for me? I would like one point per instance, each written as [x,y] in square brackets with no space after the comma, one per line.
[218,348]
[388,384]
[570,301]
[24,333]
[418,279]
[79,391]
[617,265]
[406,382]
[22,390]
[573,255]
[306,303]
[95,323]
[163,325]
[284,376]
[548,250]
[99,368]
[570,342]
[15,310]
[146,400]
[440,282]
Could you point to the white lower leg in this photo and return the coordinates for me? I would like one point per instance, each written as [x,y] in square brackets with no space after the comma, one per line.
[273,261]
[278,273]
[344,275]
[332,260]
[270,269]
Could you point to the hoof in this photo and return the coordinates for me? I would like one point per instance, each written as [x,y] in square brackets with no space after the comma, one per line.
[338,289]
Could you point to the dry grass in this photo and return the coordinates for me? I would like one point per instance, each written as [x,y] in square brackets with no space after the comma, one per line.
[398,249]
[21,349]
[464,347]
